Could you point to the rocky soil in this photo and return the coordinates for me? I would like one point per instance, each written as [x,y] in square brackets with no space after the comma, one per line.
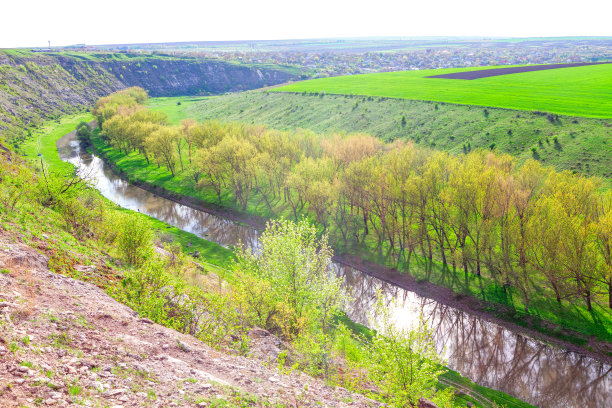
[66,343]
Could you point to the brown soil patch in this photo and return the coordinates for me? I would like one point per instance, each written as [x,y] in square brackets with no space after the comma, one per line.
[486,73]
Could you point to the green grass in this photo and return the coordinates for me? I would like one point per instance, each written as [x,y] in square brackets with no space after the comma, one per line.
[502,399]
[170,106]
[44,141]
[583,144]
[580,91]
[210,252]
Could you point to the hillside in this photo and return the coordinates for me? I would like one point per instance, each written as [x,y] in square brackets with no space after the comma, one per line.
[38,86]
[65,343]
[564,89]
[568,143]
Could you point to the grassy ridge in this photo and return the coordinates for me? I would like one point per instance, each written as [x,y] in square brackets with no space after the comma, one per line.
[581,91]
[582,145]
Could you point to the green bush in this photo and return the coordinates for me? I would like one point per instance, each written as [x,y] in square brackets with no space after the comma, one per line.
[288,286]
[134,238]
[83,131]
[403,363]
[157,290]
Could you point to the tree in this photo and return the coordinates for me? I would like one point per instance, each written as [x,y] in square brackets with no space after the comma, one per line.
[546,230]
[161,144]
[209,162]
[604,243]
[83,131]
[295,269]
[404,363]
[240,158]
[134,238]
[187,127]
[345,150]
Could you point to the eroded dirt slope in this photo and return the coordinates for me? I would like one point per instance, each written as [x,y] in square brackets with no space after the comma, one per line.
[66,343]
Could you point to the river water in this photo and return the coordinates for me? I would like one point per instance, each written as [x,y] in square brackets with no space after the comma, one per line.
[490,355]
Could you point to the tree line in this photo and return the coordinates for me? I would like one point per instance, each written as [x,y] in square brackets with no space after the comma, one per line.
[525,226]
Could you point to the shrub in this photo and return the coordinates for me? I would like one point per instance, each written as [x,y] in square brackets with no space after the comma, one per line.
[134,238]
[157,291]
[15,185]
[404,364]
[83,131]
[288,286]
[83,214]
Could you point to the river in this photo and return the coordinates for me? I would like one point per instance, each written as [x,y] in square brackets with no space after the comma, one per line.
[489,354]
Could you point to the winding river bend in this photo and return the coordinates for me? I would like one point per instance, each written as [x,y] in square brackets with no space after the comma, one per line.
[489,354]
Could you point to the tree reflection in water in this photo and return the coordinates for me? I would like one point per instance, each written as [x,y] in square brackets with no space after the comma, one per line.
[490,354]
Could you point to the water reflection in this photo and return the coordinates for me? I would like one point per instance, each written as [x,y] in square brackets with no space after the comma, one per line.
[490,354]
[485,352]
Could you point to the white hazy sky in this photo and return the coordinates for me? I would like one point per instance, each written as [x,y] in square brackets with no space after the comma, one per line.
[25,23]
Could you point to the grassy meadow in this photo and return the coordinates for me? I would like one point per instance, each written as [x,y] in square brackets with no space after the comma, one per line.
[579,91]
[177,108]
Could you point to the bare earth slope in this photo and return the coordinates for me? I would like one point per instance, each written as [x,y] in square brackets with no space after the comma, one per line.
[67,343]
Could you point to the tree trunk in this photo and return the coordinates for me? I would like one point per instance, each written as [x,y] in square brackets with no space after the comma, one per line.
[556,289]
[588,300]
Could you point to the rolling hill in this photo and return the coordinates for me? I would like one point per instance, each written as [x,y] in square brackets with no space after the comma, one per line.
[577,90]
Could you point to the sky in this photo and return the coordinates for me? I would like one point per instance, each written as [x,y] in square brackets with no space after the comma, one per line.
[27,23]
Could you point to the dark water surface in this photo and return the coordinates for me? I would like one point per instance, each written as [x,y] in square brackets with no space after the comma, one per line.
[490,355]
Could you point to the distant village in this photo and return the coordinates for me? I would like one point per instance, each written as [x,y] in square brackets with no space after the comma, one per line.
[347,63]
[321,61]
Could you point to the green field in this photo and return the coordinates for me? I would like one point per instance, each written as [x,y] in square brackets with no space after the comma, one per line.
[177,107]
[580,91]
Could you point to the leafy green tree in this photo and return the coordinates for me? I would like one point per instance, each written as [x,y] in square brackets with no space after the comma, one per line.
[291,271]
[161,144]
[404,363]
[83,131]
[134,238]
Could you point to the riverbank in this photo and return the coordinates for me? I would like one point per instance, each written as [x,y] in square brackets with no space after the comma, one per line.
[43,142]
[530,325]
